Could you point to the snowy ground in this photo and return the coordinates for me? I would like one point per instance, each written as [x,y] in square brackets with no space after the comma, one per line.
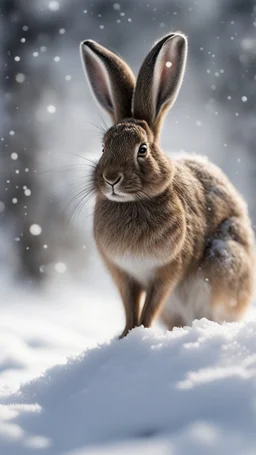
[192,391]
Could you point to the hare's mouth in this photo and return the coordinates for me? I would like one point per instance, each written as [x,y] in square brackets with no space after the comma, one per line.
[119,196]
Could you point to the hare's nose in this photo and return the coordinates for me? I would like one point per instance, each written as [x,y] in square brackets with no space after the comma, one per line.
[112,179]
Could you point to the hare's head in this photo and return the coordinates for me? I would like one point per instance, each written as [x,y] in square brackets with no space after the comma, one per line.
[132,165]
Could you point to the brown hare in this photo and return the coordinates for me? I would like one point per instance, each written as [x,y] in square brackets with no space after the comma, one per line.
[174,230]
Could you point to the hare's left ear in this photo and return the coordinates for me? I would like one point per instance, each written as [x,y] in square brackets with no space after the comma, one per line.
[159,79]
[110,78]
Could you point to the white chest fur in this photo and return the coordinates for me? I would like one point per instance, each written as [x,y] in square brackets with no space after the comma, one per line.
[139,267]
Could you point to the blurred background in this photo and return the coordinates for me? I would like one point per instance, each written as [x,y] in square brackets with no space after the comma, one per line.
[50,121]
[55,296]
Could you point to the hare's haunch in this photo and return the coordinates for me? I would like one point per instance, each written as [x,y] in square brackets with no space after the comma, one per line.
[174,230]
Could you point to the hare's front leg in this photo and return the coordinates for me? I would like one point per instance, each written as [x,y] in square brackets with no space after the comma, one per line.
[156,296]
[131,292]
[158,291]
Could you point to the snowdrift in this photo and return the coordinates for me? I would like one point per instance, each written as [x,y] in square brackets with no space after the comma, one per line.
[189,391]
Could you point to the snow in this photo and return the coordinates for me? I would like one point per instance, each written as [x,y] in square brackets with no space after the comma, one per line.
[35,229]
[51,109]
[60,267]
[41,327]
[116,6]
[54,6]
[192,390]
[20,78]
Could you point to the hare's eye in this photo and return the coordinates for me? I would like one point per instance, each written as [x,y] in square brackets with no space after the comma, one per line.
[142,150]
[102,149]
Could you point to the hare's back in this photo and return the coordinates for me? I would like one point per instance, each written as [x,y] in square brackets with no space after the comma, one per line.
[202,179]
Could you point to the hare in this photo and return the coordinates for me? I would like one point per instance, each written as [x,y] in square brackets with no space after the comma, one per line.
[173,231]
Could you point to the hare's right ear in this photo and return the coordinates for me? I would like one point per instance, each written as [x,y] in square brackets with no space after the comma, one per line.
[159,79]
[110,78]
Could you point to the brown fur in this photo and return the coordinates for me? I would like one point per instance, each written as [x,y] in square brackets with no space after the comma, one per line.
[184,219]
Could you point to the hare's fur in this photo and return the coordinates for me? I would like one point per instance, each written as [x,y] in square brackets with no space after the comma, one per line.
[173,232]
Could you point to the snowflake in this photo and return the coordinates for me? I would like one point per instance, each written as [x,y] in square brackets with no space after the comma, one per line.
[54,5]
[51,109]
[35,229]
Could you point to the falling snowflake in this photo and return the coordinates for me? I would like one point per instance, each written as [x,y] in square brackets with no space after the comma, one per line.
[35,229]
[51,109]
[60,267]
[54,6]
[20,77]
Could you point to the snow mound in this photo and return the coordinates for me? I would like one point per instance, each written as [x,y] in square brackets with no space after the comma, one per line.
[192,390]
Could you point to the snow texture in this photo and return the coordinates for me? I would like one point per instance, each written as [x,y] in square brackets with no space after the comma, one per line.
[192,390]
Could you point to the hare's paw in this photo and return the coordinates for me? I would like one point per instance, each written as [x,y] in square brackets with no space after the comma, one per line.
[126,330]
[124,333]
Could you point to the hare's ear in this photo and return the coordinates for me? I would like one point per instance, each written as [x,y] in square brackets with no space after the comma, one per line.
[159,79]
[111,79]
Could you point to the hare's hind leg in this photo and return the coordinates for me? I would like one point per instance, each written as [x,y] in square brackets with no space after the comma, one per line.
[221,289]
[229,266]
[190,300]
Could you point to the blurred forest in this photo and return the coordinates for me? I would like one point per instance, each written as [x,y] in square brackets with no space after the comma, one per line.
[49,119]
